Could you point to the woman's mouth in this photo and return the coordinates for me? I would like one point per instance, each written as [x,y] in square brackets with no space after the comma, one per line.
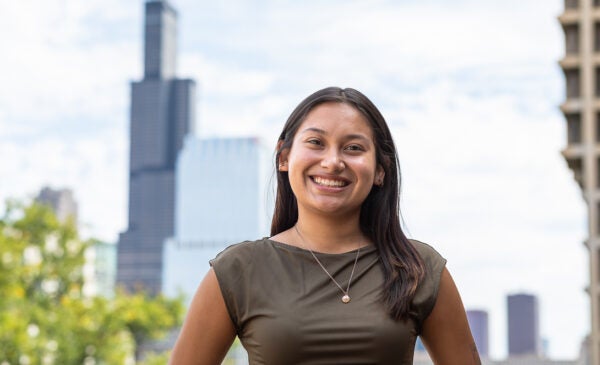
[328,182]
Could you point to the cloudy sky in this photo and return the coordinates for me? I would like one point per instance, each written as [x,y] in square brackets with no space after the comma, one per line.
[470,89]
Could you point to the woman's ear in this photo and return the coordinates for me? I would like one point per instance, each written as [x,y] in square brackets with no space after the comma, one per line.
[283,165]
[379,176]
[282,161]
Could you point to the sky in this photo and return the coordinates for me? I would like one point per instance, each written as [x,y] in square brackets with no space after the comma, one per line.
[471,91]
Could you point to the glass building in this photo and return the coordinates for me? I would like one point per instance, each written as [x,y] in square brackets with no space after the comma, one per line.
[100,269]
[222,197]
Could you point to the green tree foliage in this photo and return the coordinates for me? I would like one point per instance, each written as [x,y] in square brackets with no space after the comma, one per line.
[156,359]
[45,317]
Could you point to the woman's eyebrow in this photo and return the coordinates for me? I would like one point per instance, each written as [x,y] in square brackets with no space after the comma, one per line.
[313,129]
[323,132]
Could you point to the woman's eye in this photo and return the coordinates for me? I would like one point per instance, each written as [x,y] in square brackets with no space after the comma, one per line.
[354,147]
[314,141]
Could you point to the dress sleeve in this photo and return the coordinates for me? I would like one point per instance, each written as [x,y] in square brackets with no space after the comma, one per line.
[229,267]
[427,290]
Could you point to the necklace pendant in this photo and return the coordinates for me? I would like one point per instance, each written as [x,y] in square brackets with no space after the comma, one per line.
[346,298]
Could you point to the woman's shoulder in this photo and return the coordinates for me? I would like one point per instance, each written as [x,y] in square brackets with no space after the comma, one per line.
[243,250]
[426,251]
[434,262]
[427,289]
[233,263]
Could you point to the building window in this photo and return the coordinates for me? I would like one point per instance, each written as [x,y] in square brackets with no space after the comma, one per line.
[598,127]
[573,83]
[596,37]
[597,81]
[598,185]
[598,324]
[572,38]
[577,167]
[574,128]
[572,4]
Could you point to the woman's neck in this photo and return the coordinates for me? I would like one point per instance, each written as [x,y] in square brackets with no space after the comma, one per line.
[329,235]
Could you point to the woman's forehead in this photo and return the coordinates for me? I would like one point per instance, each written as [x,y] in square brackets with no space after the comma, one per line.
[331,117]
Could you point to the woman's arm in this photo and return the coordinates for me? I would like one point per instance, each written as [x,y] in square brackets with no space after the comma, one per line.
[446,333]
[207,332]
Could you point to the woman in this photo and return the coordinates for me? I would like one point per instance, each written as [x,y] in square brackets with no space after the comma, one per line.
[338,282]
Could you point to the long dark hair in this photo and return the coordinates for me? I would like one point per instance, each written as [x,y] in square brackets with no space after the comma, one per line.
[380,212]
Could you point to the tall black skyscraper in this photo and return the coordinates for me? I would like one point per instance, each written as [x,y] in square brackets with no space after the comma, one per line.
[523,325]
[162,113]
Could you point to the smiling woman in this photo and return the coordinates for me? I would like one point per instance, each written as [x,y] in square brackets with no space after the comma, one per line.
[332,167]
[338,281]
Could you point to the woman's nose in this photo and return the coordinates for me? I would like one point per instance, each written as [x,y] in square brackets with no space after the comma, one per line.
[332,161]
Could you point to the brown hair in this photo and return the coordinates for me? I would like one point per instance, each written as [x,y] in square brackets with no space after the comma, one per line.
[380,212]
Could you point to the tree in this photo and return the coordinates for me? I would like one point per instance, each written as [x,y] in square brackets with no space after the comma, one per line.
[146,317]
[44,316]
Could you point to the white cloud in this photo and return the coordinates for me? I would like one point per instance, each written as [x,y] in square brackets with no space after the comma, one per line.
[64,104]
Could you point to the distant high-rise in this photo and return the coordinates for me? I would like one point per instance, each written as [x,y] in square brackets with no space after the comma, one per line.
[581,67]
[221,200]
[100,269]
[61,201]
[162,114]
[478,322]
[523,325]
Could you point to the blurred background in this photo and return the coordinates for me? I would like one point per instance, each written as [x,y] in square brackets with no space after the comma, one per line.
[154,124]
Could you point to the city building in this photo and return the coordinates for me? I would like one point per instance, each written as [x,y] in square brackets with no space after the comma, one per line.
[478,323]
[581,67]
[523,325]
[222,198]
[100,269]
[61,201]
[162,114]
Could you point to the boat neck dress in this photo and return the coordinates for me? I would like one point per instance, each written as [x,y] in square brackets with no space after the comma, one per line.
[286,310]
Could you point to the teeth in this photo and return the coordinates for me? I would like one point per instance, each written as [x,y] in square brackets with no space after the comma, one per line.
[327,182]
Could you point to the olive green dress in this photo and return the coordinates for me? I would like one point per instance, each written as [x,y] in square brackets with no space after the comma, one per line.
[286,310]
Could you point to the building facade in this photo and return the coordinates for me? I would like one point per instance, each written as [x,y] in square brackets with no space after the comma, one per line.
[162,114]
[523,325]
[581,67]
[478,323]
[100,269]
[61,201]
[222,199]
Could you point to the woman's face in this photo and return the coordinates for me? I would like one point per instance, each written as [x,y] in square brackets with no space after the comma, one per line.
[331,164]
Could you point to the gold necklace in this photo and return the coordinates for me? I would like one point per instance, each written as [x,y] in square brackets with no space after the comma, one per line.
[346,296]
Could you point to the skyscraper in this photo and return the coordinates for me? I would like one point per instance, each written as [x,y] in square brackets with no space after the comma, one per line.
[221,199]
[523,325]
[478,322]
[162,114]
[581,67]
